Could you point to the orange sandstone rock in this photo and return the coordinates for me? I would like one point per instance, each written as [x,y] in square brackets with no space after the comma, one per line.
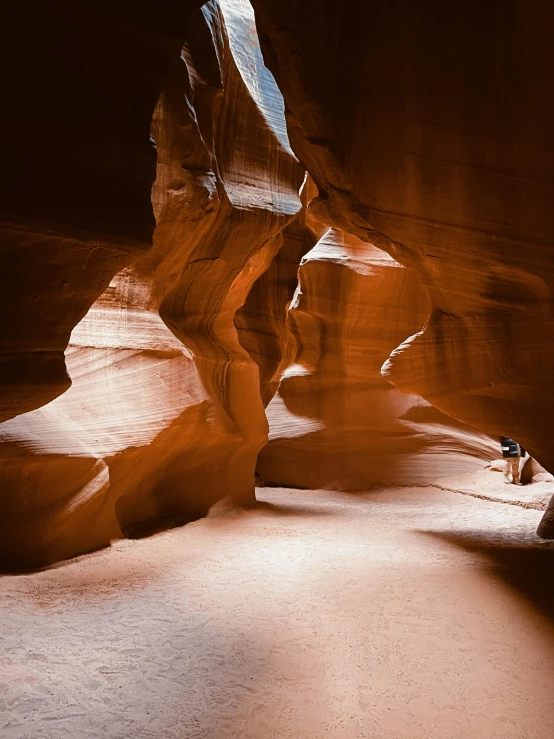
[165,418]
[227,185]
[336,421]
[80,81]
[428,133]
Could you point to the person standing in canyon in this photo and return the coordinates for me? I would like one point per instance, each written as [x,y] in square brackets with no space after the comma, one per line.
[512,453]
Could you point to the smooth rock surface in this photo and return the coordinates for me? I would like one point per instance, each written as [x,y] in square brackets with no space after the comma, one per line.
[163,419]
[337,423]
[106,454]
[80,81]
[428,133]
[227,185]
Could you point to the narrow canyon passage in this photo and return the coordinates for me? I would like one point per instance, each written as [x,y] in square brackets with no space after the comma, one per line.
[404,613]
[304,245]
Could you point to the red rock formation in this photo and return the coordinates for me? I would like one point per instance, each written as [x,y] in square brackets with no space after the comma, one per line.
[69,471]
[443,159]
[49,282]
[337,422]
[262,323]
[227,185]
[81,81]
[428,132]
[150,429]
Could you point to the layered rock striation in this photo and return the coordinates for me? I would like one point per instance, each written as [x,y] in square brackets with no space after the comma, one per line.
[427,132]
[336,421]
[165,417]
[227,185]
[425,250]
[102,459]
[81,83]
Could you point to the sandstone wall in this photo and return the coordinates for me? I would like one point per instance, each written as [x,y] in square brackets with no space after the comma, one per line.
[227,186]
[427,129]
[80,83]
[436,148]
[75,473]
[152,430]
[336,421]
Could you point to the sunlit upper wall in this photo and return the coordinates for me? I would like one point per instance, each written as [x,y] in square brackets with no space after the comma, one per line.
[243,40]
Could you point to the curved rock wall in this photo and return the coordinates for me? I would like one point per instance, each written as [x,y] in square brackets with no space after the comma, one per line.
[444,159]
[97,460]
[262,323]
[81,82]
[228,184]
[427,130]
[336,421]
[151,430]
[436,148]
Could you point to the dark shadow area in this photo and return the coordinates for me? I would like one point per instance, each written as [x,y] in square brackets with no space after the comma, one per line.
[332,460]
[7,571]
[279,510]
[526,567]
[158,524]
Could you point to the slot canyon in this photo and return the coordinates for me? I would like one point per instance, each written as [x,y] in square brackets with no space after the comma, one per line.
[277,276]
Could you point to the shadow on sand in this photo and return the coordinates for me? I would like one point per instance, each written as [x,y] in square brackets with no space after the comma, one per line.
[280,510]
[525,566]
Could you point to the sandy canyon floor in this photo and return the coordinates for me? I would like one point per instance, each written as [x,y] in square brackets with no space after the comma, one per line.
[405,614]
